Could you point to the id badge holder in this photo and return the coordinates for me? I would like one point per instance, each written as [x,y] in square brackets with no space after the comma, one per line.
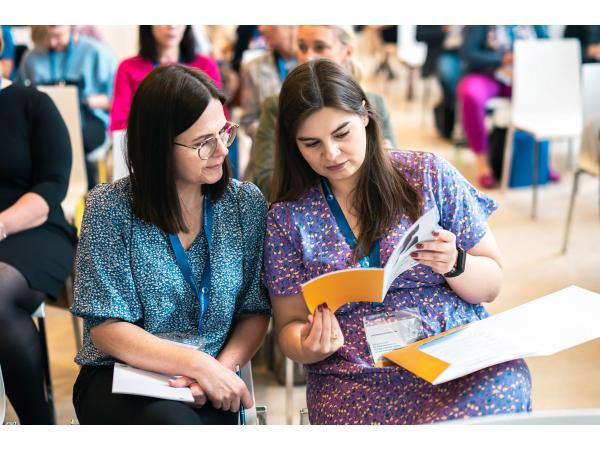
[387,331]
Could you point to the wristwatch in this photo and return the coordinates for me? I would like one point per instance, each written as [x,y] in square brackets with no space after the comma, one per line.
[459,266]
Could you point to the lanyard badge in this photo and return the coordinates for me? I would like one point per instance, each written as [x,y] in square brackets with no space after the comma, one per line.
[389,331]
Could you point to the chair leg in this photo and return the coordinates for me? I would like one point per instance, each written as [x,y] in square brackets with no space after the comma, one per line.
[535,178]
[75,321]
[289,389]
[571,208]
[46,362]
[506,164]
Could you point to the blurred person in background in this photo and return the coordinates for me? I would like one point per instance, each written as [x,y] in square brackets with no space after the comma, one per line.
[64,56]
[487,52]
[334,42]
[36,242]
[262,76]
[159,45]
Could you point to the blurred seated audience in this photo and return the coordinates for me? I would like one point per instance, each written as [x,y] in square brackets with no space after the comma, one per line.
[7,56]
[589,37]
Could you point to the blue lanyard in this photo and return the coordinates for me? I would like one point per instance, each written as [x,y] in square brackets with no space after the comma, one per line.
[282,66]
[202,293]
[66,62]
[366,261]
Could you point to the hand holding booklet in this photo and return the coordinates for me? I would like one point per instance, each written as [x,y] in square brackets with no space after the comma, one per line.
[369,284]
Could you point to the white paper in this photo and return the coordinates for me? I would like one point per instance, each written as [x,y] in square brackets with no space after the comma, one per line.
[400,259]
[540,327]
[129,380]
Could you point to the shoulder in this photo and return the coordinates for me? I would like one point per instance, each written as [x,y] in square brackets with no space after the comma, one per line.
[284,210]
[35,101]
[110,199]
[246,195]
[271,103]
[425,168]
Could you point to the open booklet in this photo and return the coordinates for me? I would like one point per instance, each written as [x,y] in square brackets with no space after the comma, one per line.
[369,284]
[541,327]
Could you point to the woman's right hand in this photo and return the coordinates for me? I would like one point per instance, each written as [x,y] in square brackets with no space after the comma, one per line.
[321,336]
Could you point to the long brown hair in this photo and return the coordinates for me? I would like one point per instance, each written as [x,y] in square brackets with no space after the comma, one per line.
[382,193]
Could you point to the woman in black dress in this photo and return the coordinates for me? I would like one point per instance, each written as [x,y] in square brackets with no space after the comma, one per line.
[36,242]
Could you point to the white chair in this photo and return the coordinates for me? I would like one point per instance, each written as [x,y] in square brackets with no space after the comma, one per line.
[119,162]
[411,53]
[565,417]
[589,154]
[546,99]
[66,100]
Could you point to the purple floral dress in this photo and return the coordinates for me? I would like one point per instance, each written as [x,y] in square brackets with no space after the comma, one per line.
[304,241]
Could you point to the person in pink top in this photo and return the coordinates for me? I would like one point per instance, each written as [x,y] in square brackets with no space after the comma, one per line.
[159,44]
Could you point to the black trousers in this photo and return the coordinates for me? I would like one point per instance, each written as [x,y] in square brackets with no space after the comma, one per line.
[95,404]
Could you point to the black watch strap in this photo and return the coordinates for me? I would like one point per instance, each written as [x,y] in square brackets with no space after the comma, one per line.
[459,267]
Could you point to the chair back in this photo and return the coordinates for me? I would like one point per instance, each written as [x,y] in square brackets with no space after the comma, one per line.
[66,100]
[119,161]
[546,79]
[410,51]
[591,90]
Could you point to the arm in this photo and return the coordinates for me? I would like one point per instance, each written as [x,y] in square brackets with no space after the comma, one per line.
[263,150]
[482,279]
[51,164]
[122,97]
[245,340]
[473,50]
[302,337]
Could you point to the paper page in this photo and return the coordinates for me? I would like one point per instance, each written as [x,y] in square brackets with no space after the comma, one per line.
[400,259]
[555,322]
[540,327]
[473,348]
[129,380]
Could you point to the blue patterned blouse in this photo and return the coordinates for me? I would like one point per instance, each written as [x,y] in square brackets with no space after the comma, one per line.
[126,269]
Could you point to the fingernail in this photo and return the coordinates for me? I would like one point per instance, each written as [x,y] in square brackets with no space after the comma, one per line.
[325,305]
[172,380]
[419,245]
[414,254]
[435,232]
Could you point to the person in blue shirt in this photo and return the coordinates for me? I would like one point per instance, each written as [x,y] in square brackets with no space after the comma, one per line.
[7,55]
[171,255]
[65,56]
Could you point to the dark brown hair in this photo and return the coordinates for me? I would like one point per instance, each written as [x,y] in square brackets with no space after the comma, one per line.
[149,49]
[382,193]
[167,102]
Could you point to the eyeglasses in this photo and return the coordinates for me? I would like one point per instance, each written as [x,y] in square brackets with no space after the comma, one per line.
[208,147]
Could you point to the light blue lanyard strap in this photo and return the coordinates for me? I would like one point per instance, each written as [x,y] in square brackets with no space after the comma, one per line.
[201,291]
[66,62]
[373,260]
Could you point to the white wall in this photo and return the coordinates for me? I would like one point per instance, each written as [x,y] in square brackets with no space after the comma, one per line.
[122,39]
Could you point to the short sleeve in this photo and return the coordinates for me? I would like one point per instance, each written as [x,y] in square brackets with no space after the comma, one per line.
[253,211]
[463,209]
[283,268]
[104,286]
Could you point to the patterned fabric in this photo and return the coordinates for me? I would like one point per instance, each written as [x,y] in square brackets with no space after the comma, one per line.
[126,269]
[304,241]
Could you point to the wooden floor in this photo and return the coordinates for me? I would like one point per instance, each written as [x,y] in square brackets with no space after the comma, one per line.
[533,267]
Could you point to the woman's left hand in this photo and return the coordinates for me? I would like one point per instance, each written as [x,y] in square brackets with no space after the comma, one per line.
[197,392]
[439,254]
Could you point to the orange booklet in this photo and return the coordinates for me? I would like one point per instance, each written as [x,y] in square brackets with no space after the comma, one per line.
[370,284]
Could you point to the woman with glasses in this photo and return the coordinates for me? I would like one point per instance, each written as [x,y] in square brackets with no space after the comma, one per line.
[168,256]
